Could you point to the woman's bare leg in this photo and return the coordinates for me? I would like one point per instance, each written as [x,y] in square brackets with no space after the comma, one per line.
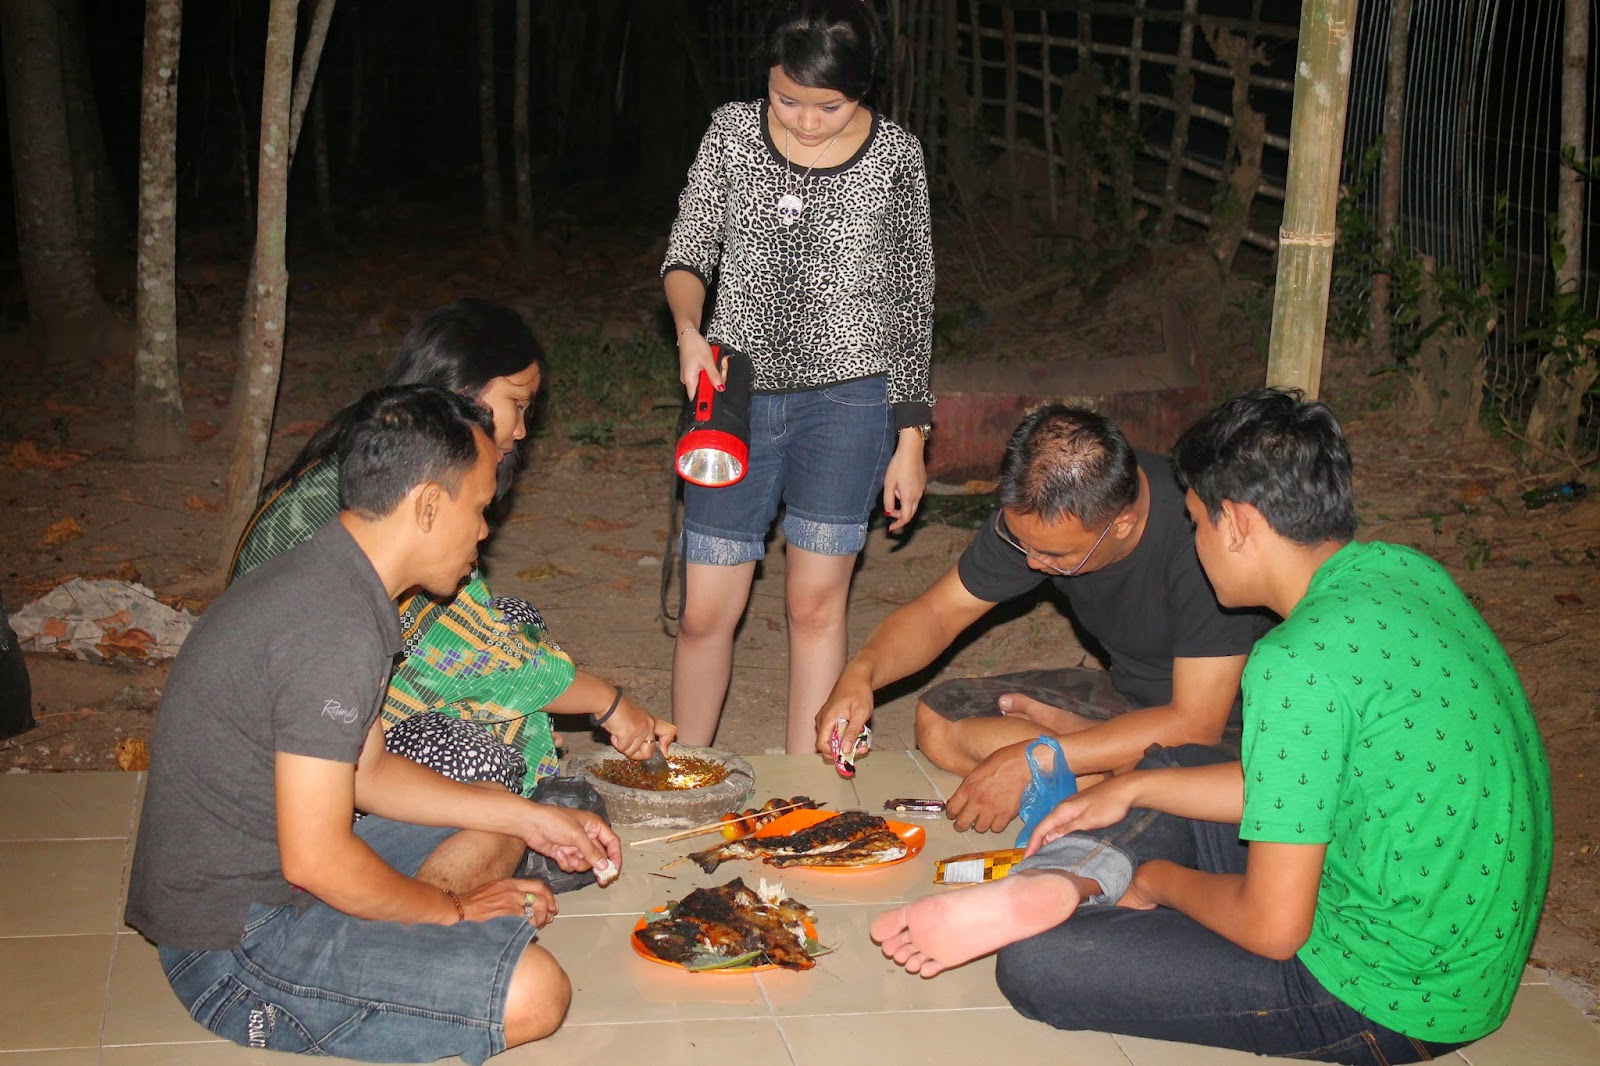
[817,597]
[702,658]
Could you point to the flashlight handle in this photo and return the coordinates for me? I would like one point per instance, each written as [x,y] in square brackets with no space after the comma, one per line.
[702,397]
[705,391]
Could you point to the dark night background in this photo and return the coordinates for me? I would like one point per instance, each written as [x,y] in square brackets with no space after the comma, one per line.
[613,122]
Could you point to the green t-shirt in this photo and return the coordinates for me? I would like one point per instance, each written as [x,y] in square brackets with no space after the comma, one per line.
[1384,719]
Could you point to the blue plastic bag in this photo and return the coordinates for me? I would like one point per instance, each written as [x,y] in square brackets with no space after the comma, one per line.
[1045,788]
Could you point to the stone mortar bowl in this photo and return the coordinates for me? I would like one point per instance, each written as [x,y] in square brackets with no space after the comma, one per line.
[668,809]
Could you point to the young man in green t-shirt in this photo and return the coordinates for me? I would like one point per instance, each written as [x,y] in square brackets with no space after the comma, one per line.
[1364,886]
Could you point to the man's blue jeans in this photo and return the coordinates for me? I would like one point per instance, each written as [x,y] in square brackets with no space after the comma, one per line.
[1163,975]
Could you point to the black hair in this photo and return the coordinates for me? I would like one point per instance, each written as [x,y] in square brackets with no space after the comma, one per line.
[399,437]
[824,44]
[461,347]
[1065,461]
[1279,452]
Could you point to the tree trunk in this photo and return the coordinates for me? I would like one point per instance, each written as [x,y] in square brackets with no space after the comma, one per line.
[305,75]
[263,359]
[520,143]
[158,429]
[1305,243]
[1390,167]
[57,273]
[304,80]
[1566,373]
[102,217]
[494,214]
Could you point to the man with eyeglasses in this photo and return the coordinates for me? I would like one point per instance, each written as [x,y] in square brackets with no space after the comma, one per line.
[1106,525]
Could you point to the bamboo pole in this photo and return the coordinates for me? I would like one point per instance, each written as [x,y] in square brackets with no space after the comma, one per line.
[1305,241]
[1390,169]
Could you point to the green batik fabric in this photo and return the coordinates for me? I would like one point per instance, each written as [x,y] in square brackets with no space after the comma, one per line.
[294,512]
[468,659]
[464,657]
[1384,719]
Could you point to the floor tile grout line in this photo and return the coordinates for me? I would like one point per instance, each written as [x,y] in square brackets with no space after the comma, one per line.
[794,1059]
[105,998]
[63,840]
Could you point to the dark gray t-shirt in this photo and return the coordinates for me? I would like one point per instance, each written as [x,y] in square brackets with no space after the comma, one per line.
[295,658]
[1145,610]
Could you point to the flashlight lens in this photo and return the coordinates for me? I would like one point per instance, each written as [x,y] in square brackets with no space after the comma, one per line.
[710,466]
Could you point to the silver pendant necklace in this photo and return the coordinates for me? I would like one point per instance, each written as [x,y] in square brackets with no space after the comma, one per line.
[790,204]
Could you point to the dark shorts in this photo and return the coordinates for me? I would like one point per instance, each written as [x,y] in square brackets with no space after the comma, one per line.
[1075,689]
[821,453]
[323,983]
[1082,691]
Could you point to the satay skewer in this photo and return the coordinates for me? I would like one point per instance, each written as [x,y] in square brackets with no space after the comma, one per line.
[684,834]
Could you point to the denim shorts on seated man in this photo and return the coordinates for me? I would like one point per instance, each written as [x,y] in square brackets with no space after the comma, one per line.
[821,453]
[324,983]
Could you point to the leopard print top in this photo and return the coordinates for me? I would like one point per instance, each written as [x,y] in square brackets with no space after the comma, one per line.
[845,291]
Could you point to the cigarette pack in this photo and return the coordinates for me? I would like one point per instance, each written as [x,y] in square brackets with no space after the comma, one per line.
[976,866]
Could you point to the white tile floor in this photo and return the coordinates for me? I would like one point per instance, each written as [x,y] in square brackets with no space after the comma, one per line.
[77,988]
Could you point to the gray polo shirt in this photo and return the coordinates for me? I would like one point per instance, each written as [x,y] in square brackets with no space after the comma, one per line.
[295,658]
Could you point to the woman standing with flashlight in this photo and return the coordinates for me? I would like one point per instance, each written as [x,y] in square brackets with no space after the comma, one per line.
[810,212]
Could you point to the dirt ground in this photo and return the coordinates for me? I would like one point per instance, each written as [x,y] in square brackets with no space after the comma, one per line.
[584,538]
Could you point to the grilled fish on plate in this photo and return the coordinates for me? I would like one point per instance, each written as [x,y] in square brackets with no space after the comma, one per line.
[711,925]
[849,838]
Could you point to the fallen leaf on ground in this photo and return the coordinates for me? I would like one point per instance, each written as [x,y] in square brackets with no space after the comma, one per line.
[202,429]
[61,532]
[56,407]
[27,455]
[303,428]
[620,584]
[1568,599]
[130,643]
[539,573]
[618,550]
[200,503]
[595,524]
[133,754]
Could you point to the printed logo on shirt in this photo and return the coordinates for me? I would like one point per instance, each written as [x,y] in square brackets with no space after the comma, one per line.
[339,712]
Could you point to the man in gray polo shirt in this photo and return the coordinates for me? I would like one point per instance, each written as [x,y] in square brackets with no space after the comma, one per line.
[281,923]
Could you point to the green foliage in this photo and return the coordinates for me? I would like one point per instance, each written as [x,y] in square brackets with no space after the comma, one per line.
[600,386]
[1357,255]
[1254,304]
[1564,327]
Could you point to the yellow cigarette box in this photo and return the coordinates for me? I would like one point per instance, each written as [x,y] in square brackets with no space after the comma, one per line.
[975,867]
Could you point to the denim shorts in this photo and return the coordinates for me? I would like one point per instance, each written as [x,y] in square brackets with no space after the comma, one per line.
[320,982]
[821,453]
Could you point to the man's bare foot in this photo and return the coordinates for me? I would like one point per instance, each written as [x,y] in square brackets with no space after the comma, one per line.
[1050,719]
[933,934]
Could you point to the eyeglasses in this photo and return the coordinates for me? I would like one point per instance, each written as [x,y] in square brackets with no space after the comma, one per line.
[1043,561]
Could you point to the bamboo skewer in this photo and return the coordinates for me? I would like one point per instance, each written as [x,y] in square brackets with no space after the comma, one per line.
[718,824]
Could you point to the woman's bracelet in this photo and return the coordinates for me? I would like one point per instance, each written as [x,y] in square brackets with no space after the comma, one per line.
[461,912]
[600,719]
[687,329]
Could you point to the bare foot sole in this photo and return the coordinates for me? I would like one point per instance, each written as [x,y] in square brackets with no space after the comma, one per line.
[935,933]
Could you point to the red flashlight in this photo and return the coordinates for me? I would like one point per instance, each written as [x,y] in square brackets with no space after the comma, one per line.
[715,451]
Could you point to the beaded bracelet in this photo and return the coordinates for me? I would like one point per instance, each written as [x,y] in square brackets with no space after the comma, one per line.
[461,912]
[687,329]
[600,720]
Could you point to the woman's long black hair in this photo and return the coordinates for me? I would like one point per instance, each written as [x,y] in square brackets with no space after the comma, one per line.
[461,347]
